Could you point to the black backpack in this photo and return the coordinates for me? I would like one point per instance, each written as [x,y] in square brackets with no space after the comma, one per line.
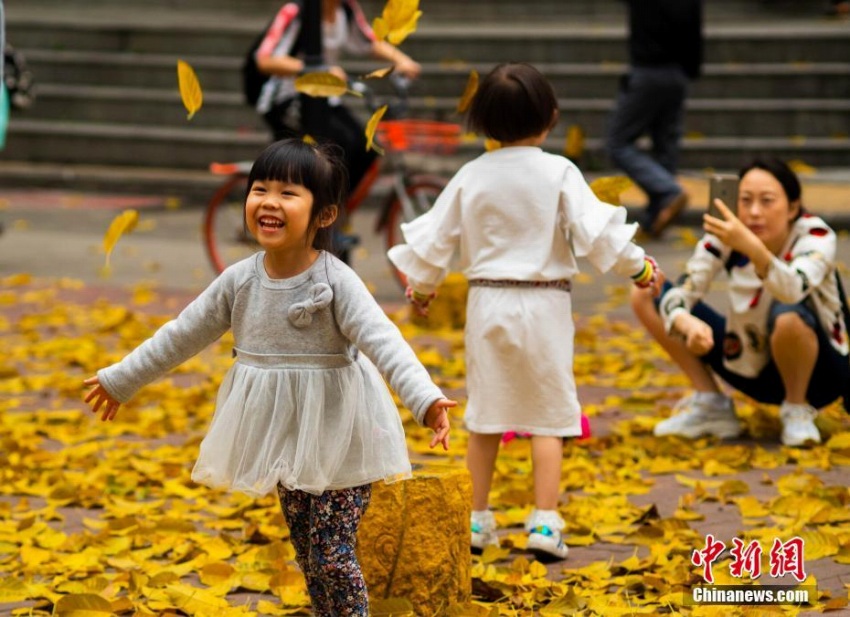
[253,79]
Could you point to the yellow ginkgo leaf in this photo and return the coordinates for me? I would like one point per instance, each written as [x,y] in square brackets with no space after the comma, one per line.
[190,88]
[380,73]
[608,188]
[574,143]
[468,92]
[308,139]
[371,127]
[122,224]
[82,605]
[398,21]
[492,144]
[321,85]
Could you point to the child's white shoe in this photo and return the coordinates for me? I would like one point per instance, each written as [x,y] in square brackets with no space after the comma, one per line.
[544,536]
[798,424]
[483,525]
[699,415]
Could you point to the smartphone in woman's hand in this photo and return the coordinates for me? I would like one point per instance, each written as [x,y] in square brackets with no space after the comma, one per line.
[725,188]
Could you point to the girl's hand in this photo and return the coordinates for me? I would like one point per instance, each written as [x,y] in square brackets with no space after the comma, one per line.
[731,231]
[97,396]
[698,335]
[649,276]
[437,419]
[419,301]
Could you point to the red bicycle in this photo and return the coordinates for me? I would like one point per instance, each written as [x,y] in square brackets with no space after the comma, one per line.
[411,194]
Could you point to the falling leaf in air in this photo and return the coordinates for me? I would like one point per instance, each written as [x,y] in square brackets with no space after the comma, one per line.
[371,127]
[322,85]
[608,188]
[574,143]
[468,92]
[122,224]
[380,73]
[190,88]
[398,21]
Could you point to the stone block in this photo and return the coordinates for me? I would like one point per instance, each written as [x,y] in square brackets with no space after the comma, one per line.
[413,542]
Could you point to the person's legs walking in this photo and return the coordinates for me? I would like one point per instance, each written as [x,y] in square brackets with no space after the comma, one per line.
[545,524]
[644,94]
[296,507]
[335,518]
[482,450]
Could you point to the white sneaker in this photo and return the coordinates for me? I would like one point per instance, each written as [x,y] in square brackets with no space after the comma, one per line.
[699,415]
[544,536]
[483,525]
[798,424]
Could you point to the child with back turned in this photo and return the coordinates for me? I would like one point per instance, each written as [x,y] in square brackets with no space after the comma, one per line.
[519,217]
[302,410]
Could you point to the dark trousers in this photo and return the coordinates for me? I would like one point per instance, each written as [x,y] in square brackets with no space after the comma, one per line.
[323,530]
[650,102]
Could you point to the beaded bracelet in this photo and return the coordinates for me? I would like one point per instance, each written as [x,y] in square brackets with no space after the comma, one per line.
[646,277]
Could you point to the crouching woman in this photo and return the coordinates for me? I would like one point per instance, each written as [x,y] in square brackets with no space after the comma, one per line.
[784,338]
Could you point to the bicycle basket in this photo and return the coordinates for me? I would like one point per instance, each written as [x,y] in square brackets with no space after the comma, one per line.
[428,136]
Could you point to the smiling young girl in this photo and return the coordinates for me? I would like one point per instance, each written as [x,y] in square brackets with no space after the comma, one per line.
[784,340]
[302,410]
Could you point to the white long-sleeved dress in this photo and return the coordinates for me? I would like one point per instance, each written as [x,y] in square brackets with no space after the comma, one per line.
[518,214]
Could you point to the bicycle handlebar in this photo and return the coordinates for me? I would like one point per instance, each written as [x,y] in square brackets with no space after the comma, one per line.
[397,106]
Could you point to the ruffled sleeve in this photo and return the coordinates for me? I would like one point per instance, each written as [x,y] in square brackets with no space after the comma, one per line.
[431,241]
[597,231]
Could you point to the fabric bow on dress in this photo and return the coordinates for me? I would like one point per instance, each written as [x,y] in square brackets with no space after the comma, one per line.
[301,313]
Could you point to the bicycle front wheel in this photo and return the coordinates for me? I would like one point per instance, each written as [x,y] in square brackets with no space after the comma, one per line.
[421,193]
[225,236]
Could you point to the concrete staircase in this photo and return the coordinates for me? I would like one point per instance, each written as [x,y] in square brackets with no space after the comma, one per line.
[776,81]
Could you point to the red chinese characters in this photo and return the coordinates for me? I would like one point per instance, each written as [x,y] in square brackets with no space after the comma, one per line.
[787,558]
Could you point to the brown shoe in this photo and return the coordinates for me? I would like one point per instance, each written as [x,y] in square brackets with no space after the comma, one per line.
[668,214]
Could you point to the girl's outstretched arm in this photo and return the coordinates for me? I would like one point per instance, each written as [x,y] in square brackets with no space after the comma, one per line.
[437,419]
[98,396]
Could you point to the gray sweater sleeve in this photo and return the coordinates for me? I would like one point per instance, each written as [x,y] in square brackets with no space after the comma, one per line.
[198,325]
[362,321]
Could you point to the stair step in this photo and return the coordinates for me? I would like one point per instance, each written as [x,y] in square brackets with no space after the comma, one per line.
[222,73]
[195,148]
[807,41]
[226,110]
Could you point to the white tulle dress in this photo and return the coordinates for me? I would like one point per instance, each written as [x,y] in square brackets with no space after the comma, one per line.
[303,404]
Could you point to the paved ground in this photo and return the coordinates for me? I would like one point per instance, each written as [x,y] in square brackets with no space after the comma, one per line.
[58,234]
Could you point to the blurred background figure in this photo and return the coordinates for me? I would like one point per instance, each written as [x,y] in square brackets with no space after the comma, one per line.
[665,53]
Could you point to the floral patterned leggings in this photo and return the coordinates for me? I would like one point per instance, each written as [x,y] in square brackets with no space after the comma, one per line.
[323,529]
